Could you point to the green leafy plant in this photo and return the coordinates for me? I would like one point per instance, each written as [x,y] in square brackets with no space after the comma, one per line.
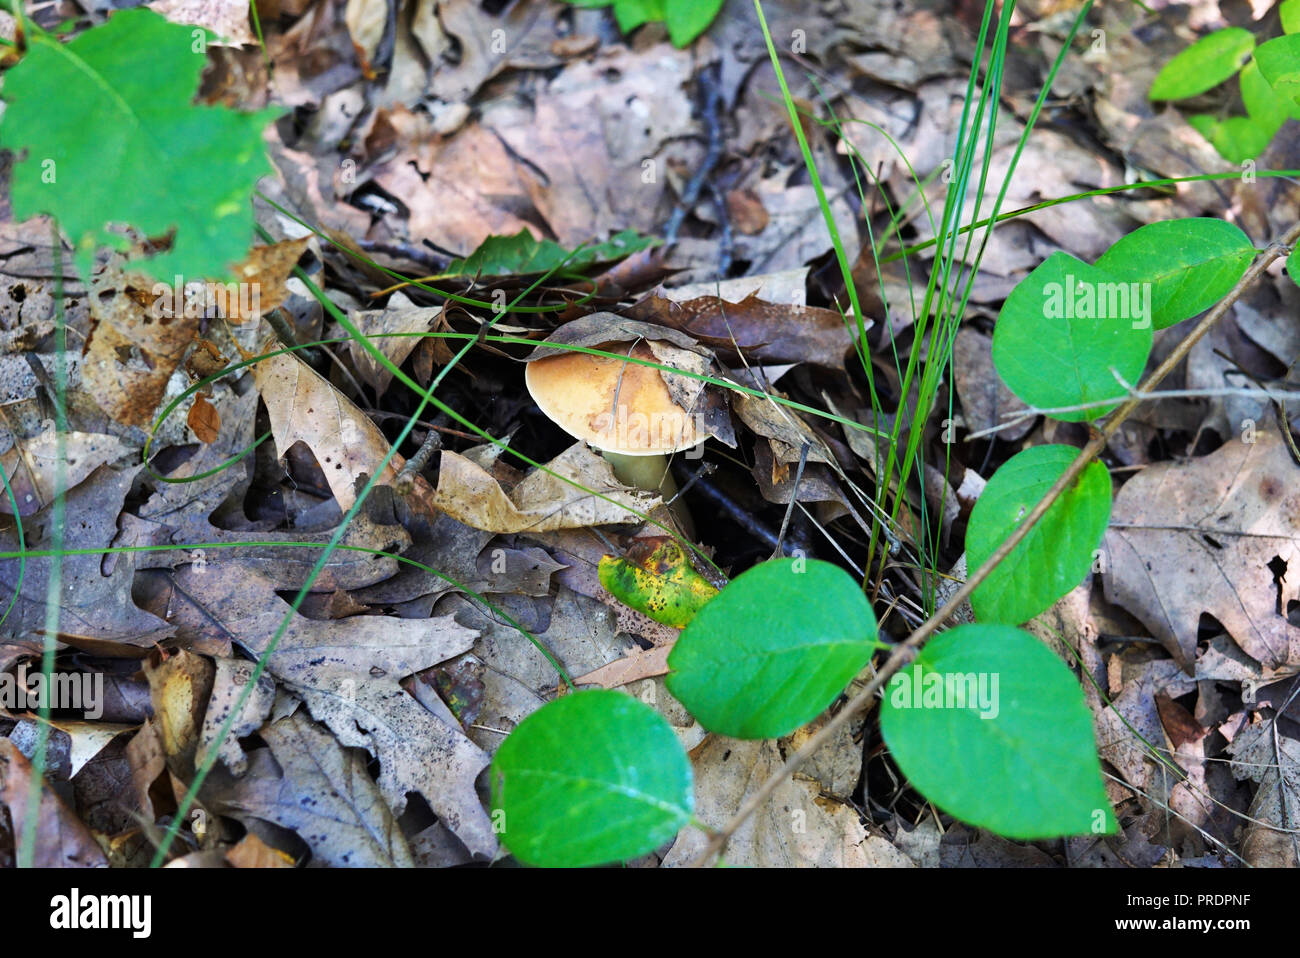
[522,254]
[685,19]
[987,722]
[127,146]
[1268,82]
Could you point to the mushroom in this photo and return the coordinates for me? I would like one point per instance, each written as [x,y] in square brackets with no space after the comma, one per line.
[623,409]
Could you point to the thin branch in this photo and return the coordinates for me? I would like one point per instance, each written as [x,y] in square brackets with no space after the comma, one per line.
[1242,392]
[906,651]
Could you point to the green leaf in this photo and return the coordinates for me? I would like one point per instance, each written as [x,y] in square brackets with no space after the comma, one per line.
[1020,760]
[1290,13]
[1063,328]
[1056,553]
[1235,138]
[522,253]
[1293,265]
[590,778]
[773,649]
[111,136]
[1262,102]
[1205,64]
[1279,62]
[1191,264]
[630,14]
[687,19]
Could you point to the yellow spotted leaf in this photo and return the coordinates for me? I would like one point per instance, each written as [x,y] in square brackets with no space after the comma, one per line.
[657,579]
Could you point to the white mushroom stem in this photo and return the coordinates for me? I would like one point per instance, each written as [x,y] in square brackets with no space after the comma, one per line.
[648,473]
[651,474]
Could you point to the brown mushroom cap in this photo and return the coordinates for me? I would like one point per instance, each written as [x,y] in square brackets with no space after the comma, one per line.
[577,392]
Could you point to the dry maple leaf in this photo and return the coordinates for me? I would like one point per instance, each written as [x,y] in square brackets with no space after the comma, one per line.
[1218,534]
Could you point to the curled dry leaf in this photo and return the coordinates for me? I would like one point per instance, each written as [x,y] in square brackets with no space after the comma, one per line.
[204,420]
[541,502]
[760,331]
[389,327]
[62,841]
[1216,534]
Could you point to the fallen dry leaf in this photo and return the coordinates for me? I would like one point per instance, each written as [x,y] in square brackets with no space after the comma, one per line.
[1215,534]
[321,791]
[304,407]
[347,672]
[62,841]
[31,465]
[540,502]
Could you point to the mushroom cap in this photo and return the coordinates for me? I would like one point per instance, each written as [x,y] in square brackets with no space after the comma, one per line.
[577,392]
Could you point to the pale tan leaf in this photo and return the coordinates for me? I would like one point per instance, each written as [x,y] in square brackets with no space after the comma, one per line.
[304,407]
[541,502]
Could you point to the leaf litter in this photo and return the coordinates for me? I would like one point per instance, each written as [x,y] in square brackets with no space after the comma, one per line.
[366,739]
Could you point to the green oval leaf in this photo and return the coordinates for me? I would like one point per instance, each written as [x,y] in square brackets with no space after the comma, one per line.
[590,778]
[1235,138]
[992,727]
[1293,265]
[1289,10]
[1190,264]
[1056,553]
[1205,64]
[773,649]
[630,14]
[1262,102]
[1062,330]
[687,19]
[1279,62]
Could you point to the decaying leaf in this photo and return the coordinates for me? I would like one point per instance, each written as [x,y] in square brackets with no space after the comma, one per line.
[62,841]
[656,577]
[796,829]
[347,672]
[322,792]
[392,329]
